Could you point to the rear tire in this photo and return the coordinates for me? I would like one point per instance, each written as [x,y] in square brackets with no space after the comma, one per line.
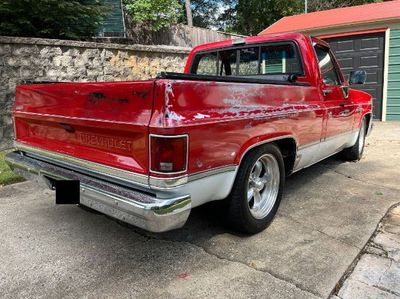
[257,191]
[355,152]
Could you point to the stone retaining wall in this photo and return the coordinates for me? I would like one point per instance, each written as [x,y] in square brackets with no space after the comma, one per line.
[60,60]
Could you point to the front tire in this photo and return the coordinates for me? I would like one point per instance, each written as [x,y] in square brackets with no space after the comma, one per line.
[257,191]
[355,152]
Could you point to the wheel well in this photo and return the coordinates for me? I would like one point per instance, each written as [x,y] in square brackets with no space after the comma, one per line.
[287,147]
[367,119]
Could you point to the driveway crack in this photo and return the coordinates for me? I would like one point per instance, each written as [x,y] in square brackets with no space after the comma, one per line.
[264,271]
[148,236]
[321,232]
[383,274]
[363,251]
[386,290]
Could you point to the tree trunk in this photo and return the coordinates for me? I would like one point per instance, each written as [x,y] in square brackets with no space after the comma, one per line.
[189,13]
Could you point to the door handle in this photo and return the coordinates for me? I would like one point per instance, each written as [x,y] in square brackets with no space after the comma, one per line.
[342,105]
[326,92]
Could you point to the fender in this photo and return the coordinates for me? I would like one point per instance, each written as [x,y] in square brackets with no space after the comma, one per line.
[357,122]
[260,140]
[252,143]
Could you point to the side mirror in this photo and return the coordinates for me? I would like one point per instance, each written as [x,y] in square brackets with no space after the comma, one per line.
[357,77]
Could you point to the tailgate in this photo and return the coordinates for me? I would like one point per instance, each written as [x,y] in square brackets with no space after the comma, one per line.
[106,123]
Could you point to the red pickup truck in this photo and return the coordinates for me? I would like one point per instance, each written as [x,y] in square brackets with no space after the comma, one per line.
[244,115]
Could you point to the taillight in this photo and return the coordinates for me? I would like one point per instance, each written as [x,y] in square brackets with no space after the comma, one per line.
[168,154]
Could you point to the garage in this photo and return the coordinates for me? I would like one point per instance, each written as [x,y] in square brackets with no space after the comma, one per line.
[362,37]
[365,52]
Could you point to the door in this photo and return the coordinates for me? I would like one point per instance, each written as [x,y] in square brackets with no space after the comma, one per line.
[339,109]
[365,51]
[335,93]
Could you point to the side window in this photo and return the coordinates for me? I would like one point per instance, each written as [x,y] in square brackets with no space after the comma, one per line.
[206,64]
[248,62]
[328,70]
[280,59]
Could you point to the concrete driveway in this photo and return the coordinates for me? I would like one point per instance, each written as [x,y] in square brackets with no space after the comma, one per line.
[328,213]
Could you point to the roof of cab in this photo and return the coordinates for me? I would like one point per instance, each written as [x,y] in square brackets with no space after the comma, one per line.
[250,40]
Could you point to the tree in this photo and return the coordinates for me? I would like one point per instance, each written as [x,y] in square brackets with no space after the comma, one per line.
[210,13]
[63,19]
[189,13]
[317,5]
[154,14]
[253,16]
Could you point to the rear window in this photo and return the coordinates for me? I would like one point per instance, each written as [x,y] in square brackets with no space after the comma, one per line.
[207,64]
[227,62]
[248,63]
[280,59]
[271,59]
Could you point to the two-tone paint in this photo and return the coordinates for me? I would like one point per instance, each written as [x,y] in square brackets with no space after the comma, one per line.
[105,128]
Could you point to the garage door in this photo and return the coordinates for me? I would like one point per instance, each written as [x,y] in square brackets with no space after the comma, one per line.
[363,52]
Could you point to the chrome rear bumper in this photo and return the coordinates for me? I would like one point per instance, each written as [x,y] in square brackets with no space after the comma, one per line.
[134,207]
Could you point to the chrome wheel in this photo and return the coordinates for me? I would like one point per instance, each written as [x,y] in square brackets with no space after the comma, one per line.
[263,186]
[361,138]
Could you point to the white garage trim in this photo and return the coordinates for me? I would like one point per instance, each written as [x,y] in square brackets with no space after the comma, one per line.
[385,74]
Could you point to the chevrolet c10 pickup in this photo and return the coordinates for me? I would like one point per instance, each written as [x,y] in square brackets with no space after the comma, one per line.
[243,116]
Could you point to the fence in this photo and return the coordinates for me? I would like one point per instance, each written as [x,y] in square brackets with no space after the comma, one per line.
[176,35]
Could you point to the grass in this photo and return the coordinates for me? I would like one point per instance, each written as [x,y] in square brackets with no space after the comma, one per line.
[7,177]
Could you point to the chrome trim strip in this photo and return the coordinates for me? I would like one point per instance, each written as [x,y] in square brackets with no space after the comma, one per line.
[325,139]
[170,136]
[103,171]
[84,165]
[167,183]
[340,135]
[214,171]
[308,145]
[171,183]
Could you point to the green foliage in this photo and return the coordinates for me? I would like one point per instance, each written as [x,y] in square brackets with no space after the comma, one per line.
[65,19]
[7,177]
[253,16]
[214,14]
[154,14]
[317,5]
